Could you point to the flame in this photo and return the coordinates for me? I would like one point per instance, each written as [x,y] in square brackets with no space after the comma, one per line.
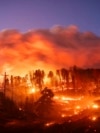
[66,99]
[95,106]
[78,107]
[32,91]
[49,124]
[63,115]
[94,118]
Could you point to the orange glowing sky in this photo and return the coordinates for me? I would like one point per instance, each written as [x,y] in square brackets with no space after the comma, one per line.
[48,49]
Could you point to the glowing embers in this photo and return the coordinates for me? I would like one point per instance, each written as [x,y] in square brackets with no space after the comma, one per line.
[65,99]
[95,106]
[77,109]
[20,109]
[93,118]
[74,108]
[49,124]
[63,115]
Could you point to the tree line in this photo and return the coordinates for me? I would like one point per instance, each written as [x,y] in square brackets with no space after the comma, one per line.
[74,79]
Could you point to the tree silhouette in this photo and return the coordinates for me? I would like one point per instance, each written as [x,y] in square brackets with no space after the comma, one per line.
[58,73]
[38,78]
[44,105]
[65,78]
[51,76]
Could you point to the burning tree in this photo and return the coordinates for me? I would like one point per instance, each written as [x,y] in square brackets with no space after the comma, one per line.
[51,77]
[37,77]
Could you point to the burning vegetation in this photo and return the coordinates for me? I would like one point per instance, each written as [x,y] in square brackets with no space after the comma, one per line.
[64,96]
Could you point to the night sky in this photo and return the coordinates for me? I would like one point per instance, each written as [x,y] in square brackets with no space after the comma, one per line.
[32,14]
[49,34]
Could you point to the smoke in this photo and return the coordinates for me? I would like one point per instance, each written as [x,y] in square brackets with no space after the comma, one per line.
[48,49]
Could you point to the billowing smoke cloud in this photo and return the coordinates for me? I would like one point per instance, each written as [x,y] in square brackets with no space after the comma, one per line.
[48,49]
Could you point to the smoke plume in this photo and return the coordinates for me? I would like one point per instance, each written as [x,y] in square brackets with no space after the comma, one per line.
[48,49]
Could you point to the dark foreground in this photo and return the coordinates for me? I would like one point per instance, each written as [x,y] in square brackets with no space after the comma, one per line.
[83,125]
[13,120]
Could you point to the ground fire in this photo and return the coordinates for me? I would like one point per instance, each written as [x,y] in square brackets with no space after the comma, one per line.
[66,97]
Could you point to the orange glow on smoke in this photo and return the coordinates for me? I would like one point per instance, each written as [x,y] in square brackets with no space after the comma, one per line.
[47,49]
